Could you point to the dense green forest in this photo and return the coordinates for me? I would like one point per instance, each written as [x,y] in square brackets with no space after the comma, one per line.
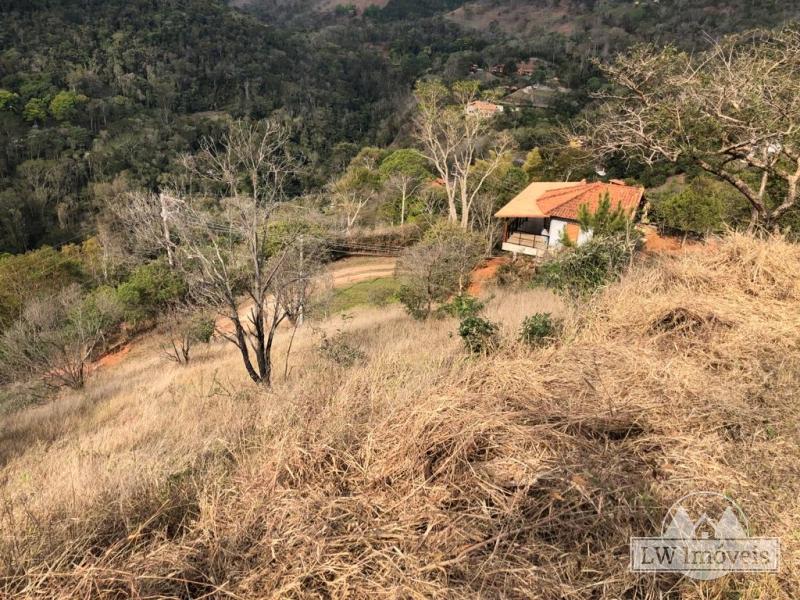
[101,96]
[100,92]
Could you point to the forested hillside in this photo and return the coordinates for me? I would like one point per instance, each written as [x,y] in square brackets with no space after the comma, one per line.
[100,96]
[100,92]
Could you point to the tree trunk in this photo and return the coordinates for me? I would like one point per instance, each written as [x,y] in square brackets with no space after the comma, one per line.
[165,227]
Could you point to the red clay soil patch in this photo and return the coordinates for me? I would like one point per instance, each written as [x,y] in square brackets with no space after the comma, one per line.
[485,273]
[111,359]
[656,243]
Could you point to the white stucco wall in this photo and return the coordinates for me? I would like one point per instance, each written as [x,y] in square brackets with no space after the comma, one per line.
[557,226]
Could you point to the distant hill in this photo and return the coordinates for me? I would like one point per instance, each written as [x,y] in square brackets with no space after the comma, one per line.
[606,25]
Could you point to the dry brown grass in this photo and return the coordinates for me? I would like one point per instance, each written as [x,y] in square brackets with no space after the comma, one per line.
[420,472]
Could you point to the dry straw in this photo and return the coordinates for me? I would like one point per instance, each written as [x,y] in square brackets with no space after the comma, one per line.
[422,473]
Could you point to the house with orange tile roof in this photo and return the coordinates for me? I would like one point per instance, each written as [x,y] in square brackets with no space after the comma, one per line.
[536,218]
[483,108]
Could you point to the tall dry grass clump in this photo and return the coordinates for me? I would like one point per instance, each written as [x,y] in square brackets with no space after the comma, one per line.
[418,472]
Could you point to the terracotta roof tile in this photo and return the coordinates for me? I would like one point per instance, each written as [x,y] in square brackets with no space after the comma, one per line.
[566,203]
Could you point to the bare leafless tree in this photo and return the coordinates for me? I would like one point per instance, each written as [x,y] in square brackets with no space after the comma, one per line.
[143,223]
[453,138]
[185,328]
[733,111]
[224,250]
[56,336]
[350,202]
[250,160]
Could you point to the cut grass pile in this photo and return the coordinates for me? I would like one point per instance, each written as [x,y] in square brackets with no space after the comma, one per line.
[420,472]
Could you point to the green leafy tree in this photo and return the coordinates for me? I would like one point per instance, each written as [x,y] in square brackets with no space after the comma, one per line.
[700,209]
[533,165]
[35,111]
[8,100]
[66,104]
[605,220]
[404,172]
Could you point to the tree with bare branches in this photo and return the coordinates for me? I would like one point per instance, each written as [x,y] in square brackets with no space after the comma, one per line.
[56,336]
[453,138]
[733,111]
[224,249]
[356,189]
[184,330]
[145,223]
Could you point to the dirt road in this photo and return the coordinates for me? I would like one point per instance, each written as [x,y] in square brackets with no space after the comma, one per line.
[354,270]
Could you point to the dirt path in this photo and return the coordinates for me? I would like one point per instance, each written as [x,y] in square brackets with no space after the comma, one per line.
[486,272]
[341,273]
[355,270]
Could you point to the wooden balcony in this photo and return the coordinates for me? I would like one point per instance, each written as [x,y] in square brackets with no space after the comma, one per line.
[526,243]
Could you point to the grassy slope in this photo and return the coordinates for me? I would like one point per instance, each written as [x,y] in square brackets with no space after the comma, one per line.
[420,472]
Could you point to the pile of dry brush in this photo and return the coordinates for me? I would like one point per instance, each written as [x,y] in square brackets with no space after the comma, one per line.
[520,475]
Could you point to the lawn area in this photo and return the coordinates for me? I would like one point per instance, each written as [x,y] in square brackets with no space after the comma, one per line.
[377,292]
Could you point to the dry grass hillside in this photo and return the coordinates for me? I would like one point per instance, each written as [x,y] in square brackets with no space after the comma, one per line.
[418,472]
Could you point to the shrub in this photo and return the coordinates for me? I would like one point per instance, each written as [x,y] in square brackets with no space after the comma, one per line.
[580,271]
[150,289]
[438,267]
[338,349]
[463,306]
[54,338]
[539,330]
[480,335]
[518,271]
[201,328]
[415,301]
[38,273]
[184,333]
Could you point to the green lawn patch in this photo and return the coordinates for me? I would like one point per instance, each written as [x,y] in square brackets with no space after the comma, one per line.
[376,292]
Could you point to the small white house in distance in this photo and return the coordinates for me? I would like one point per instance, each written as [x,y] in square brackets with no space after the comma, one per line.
[535,218]
[483,108]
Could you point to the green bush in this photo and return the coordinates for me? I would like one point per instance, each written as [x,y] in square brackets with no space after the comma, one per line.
[480,335]
[463,306]
[415,301]
[539,330]
[104,306]
[201,328]
[339,350]
[699,209]
[438,267]
[577,272]
[150,289]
